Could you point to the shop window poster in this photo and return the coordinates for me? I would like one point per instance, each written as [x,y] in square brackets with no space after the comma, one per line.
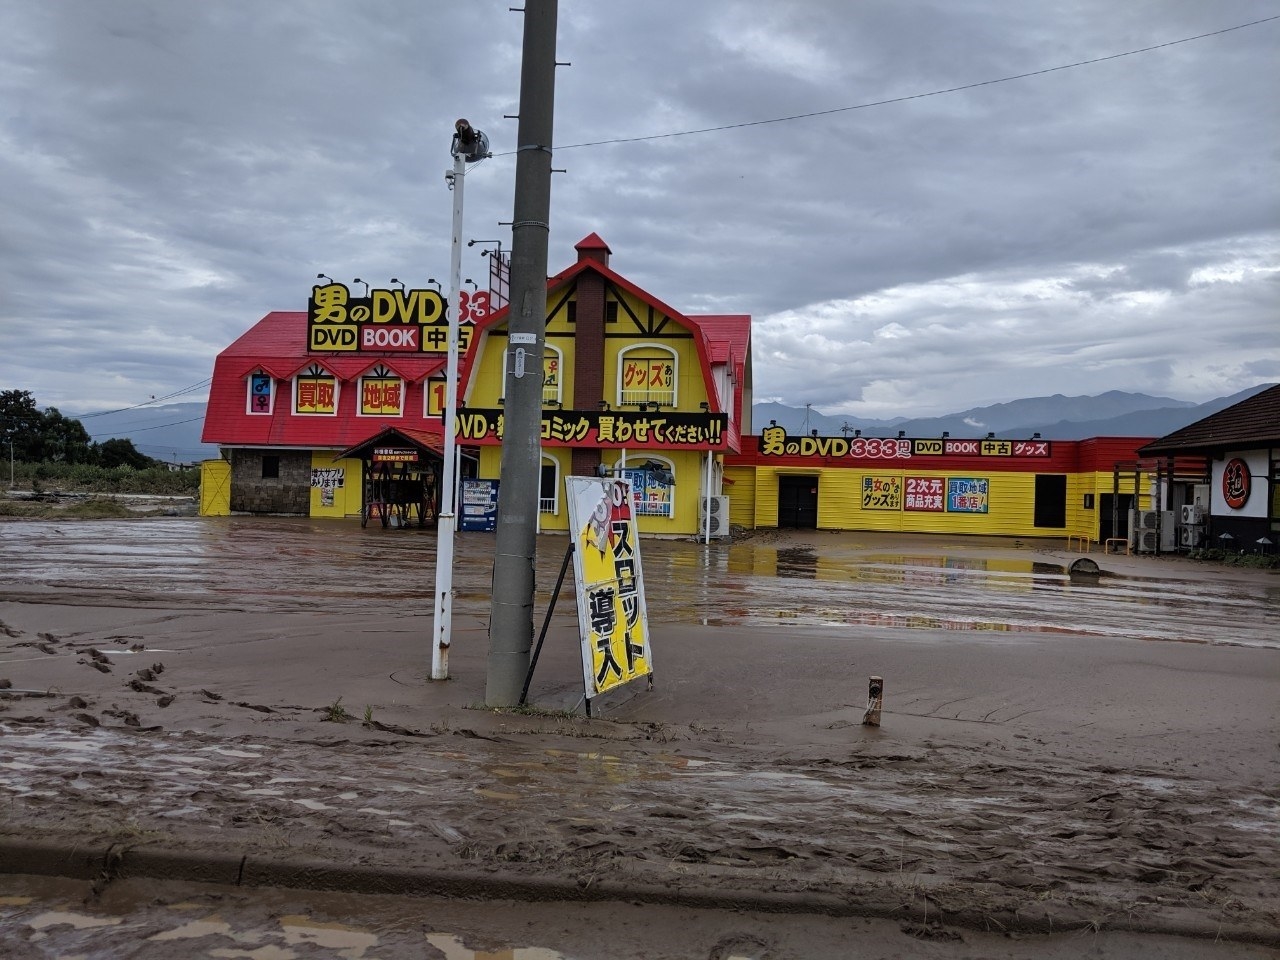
[967,494]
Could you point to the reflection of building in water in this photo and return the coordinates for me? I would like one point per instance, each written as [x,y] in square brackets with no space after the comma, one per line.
[633,387]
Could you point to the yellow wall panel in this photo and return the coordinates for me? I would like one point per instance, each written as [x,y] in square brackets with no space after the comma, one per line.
[346,498]
[742,496]
[215,488]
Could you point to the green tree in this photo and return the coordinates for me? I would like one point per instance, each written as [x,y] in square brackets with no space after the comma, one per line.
[64,440]
[120,452]
[20,424]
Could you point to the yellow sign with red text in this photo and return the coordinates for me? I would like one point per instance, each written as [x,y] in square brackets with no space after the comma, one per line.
[613,621]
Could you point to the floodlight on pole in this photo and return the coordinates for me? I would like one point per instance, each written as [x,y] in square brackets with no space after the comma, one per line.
[469,145]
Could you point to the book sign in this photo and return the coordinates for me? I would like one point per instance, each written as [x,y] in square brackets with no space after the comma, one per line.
[613,622]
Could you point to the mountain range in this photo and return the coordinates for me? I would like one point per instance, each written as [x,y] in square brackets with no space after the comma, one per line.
[172,432]
[1111,414]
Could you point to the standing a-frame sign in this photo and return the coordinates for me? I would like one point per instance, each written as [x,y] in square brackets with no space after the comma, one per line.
[613,622]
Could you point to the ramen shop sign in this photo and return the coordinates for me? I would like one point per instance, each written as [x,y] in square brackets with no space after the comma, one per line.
[385,321]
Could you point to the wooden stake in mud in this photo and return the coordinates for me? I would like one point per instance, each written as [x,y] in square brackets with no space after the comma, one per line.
[875,700]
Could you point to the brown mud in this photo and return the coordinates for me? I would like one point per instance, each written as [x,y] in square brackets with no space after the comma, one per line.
[1057,753]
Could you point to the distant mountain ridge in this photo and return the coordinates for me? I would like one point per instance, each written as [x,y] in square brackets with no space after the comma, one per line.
[172,432]
[1111,414]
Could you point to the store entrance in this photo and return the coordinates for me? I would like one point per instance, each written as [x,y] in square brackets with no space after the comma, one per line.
[1113,522]
[798,502]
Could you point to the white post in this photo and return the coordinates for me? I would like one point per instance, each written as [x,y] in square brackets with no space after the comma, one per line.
[707,505]
[442,624]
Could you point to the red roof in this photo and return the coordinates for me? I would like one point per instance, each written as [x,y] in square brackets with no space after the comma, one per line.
[277,345]
[721,338]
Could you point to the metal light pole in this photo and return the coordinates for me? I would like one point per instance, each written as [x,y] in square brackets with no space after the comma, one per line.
[469,145]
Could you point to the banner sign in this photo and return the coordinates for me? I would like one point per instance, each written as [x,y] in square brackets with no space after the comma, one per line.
[386,321]
[881,493]
[924,494]
[652,490]
[774,442]
[967,495]
[394,455]
[613,621]
[589,428]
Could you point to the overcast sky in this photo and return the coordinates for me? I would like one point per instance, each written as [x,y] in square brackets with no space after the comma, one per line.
[173,170]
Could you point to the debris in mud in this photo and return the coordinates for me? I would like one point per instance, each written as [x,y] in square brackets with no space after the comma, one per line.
[251,706]
[931,930]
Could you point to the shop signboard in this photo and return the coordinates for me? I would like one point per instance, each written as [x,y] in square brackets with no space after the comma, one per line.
[613,622]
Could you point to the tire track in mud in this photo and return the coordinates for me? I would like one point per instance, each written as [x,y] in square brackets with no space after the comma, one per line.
[1018,838]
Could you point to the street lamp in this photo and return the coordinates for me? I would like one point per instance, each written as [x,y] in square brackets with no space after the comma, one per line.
[469,145]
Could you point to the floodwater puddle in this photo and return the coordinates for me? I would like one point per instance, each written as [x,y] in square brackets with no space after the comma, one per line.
[990,586]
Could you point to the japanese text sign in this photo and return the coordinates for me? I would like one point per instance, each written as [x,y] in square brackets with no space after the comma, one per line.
[613,621]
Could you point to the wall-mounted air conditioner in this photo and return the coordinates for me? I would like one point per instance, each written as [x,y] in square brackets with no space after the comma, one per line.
[719,509]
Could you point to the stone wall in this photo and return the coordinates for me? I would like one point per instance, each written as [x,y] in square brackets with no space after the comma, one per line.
[288,493]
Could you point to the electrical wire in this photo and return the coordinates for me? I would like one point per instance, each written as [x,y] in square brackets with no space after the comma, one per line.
[147,403]
[909,97]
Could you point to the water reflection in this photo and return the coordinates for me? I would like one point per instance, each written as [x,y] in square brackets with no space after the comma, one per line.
[291,564]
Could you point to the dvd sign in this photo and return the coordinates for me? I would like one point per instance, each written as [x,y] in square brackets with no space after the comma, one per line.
[383,321]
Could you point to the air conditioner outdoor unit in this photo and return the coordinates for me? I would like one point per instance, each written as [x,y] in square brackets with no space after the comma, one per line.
[719,508]
[1148,541]
[1191,514]
[1191,536]
[1147,519]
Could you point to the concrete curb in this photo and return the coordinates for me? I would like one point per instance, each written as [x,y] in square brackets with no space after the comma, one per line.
[100,866]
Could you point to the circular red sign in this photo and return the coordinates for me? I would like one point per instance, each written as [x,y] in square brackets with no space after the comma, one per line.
[1235,483]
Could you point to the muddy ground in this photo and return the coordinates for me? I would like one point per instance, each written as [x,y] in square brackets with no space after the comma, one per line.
[1057,753]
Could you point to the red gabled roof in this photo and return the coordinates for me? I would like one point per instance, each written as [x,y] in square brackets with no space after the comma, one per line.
[728,335]
[593,242]
[277,345]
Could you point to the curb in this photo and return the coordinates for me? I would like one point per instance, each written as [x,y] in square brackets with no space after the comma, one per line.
[119,862]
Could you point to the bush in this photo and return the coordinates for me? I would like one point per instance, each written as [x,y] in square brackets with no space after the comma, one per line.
[1265,561]
[82,478]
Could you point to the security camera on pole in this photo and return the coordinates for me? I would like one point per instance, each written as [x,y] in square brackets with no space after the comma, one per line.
[469,145]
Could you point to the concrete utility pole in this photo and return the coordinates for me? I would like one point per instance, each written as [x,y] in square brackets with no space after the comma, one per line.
[511,610]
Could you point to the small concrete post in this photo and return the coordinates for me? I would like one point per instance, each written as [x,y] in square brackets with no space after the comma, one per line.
[875,700]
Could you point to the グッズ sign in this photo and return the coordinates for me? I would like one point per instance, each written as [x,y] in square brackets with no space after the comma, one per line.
[613,622]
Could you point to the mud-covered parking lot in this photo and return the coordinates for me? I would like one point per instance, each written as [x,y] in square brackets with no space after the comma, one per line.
[1088,754]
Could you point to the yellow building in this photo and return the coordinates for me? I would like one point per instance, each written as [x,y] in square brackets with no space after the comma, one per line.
[631,386]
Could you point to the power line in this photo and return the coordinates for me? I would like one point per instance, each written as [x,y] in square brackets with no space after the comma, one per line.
[913,96]
[147,403]
[159,426]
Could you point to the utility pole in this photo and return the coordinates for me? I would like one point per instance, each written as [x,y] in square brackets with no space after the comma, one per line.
[511,609]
